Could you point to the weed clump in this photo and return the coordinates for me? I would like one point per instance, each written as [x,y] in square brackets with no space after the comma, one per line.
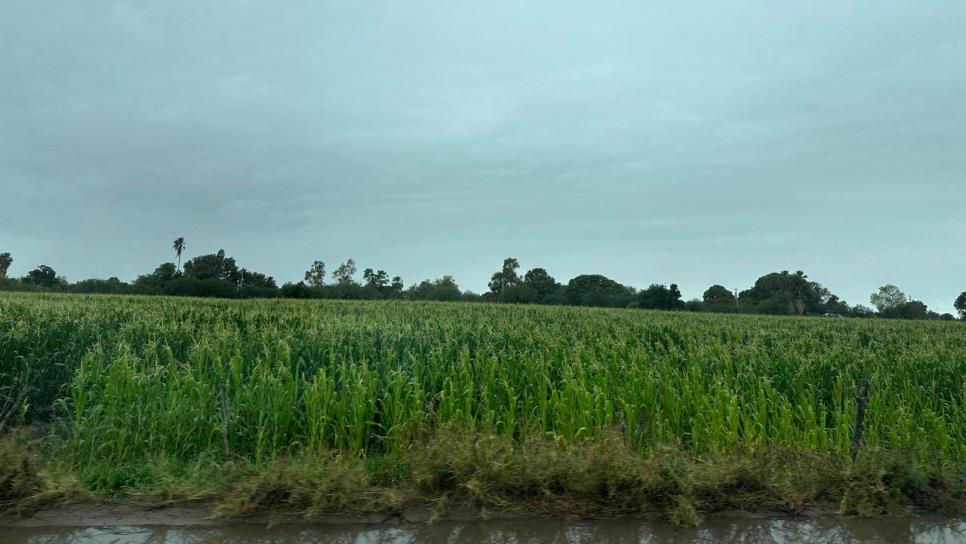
[310,485]
[18,473]
[889,482]
[545,474]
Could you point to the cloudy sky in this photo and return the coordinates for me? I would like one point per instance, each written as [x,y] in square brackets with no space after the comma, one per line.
[695,143]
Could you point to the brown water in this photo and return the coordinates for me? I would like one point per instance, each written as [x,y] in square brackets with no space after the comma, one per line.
[715,529]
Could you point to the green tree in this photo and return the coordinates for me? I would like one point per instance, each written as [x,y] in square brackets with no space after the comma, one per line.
[718,298]
[913,309]
[315,275]
[960,305]
[780,293]
[212,267]
[520,294]
[154,282]
[296,290]
[597,290]
[888,296]
[42,276]
[179,247]
[660,297]
[343,275]
[506,277]
[541,282]
[248,278]
[444,288]
[375,280]
[5,261]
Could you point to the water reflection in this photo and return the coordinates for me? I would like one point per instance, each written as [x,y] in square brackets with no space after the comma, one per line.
[724,530]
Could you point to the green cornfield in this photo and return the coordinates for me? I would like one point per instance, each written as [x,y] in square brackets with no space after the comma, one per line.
[131,377]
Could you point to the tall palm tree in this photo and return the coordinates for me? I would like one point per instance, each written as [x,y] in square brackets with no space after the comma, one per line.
[178,248]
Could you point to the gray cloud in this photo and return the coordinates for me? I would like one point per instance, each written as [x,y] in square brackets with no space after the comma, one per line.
[663,142]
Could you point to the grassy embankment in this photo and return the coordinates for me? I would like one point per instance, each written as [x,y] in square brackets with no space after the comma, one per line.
[363,406]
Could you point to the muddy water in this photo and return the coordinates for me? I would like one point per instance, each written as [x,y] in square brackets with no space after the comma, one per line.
[716,529]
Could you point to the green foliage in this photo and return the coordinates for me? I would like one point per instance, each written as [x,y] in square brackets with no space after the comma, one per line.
[248,278]
[660,297]
[542,282]
[154,282]
[139,375]
[5,261]
[718,298]
[597,290]
[781,293]
[960,305]
[912,309]
[557,409]
[343,275]
[179,246]
[442,289]
[43,276]
[109,286]
[315,275]
[506,277]
[212,267]
[887,297]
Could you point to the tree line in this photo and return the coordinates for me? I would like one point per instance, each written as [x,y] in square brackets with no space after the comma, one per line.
[218,275]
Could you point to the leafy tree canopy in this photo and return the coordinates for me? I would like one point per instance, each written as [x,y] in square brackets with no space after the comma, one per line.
[506,277]
[541,282]
[888,296]
[718,298]
[5,261]
[597,290]
[42,276]
[960,305]
[659,297]
[315,275]
[781,293]
[213,267]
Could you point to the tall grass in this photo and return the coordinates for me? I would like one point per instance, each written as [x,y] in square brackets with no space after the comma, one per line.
[140,377]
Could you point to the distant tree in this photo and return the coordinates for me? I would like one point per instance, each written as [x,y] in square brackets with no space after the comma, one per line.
[155,282]
[541,282]
[248,278]
[444,288]
[5,261]
[315,275]
[506,277]
[213,267]
[913,309]
[343,275]
[888,296]
[718,298]
[179,248]
[109,286]
[42,276]
[960,305]
[296,290]
[861,311]
[780,293]
[597,290]
[520,294]
[659,297]
[780,303]
[375,280]
[397,284]
[695,305]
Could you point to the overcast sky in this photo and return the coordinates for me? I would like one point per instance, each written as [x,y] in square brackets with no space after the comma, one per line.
[657,142]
